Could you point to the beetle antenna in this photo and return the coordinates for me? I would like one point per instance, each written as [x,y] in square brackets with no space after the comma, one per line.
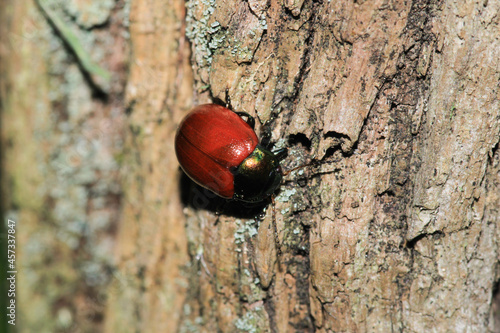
[228,100]
[250,120]
[279,254]
[313,162]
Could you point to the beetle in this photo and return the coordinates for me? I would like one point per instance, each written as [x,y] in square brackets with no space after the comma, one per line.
[220,151]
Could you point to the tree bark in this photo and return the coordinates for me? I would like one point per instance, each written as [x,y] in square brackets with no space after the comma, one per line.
[62,126]
[397,229]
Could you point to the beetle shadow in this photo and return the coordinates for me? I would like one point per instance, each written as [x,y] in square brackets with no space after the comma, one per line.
[198,198]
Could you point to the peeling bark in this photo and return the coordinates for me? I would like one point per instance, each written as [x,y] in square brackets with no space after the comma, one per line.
[383,238]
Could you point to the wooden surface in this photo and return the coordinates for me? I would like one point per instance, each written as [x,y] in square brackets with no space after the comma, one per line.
[396,231]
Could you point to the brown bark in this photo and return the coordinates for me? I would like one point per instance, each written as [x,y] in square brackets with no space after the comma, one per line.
[397,229]
[61,137]
[151,285]
[393,234]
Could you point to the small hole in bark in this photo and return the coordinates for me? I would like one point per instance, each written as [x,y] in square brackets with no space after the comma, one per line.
[299,139]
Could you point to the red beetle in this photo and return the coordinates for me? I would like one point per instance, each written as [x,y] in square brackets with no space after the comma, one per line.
[219,151]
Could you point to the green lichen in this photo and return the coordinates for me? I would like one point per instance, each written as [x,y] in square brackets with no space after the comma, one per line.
[280,144]
[206,37]
[247,323]
[286,194]
[189,326]
[246,229]
[250,288]
[253,321]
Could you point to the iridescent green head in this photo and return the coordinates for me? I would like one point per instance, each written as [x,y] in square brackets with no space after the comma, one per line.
[258,176]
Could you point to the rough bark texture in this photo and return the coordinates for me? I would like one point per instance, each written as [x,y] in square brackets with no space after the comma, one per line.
[61,138]
[397,230]
[152,260]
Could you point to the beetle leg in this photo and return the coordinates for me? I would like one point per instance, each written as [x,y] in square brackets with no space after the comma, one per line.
[312,163]
[250,120]
[281,154]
